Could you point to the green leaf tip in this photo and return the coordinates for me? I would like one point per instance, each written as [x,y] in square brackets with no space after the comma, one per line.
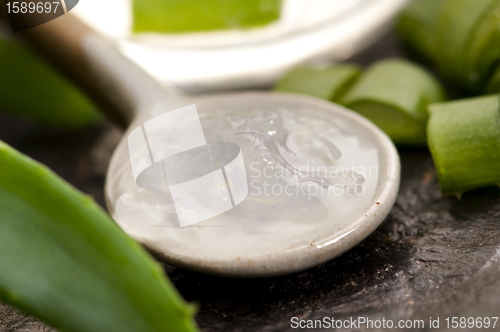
[178,16]
[30,88]
[464,140]
[394,95]
[65,261]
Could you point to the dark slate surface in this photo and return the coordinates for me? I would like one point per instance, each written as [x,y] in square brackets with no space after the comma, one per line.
[433,256]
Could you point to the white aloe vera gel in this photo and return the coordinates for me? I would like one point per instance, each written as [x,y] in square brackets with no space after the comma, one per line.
[306,176]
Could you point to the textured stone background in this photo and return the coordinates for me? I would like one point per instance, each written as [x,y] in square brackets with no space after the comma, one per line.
[433,256]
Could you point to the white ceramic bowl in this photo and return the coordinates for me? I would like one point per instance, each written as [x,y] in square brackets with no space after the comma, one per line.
[308,30]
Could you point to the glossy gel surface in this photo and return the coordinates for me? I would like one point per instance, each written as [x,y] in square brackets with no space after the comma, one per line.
[311,174]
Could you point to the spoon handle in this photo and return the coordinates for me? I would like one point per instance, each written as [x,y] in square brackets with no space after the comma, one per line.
[117,86]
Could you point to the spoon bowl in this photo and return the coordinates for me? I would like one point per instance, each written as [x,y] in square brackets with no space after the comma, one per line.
[253,240]
[308,195]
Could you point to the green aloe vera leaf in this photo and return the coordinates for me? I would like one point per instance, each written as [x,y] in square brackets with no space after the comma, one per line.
[65,261]
[484,51]
[455,29]
[394,95]
[464,139]
[30,88]
[176,16]
[417,28]
[494,84]
[403,129]
[328,83]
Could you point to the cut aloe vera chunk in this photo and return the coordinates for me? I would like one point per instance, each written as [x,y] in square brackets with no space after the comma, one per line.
[328,83]
[417,28]
[494,83]
[65,261]
[394,95]
[175,16]
[484,51]
[455,30]
[30,88]
[464,139]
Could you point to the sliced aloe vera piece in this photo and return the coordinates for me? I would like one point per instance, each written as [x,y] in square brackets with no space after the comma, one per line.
[328,83]
[494,83]
[175,16]
[394,95]
[455,29]
[417,27]
[484,51]
[64,260]
[464,139]
[32,89]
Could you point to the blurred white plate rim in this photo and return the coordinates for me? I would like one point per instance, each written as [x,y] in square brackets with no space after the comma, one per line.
[227,60]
